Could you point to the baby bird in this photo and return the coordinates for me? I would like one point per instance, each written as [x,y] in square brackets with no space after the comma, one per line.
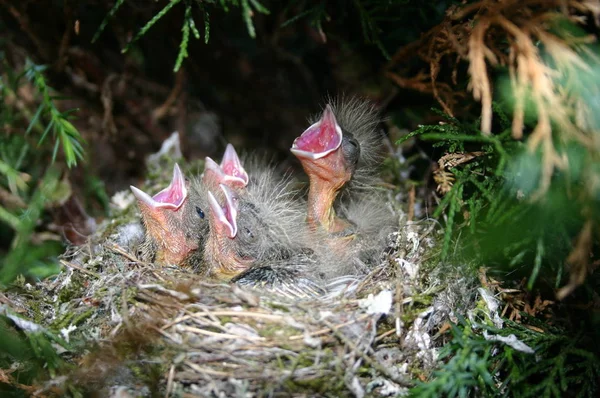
[173,221]
[341,146]
[257,229]
[247,243]
[307,269]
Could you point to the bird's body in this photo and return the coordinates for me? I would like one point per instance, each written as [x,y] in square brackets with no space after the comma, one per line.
[340,152]
[307,269]
[173,222]
[262,223]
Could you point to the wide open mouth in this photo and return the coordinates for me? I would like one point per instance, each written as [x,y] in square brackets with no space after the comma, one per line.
[229,172]
[232,167]
[320,139]
[172,197]
[224,216]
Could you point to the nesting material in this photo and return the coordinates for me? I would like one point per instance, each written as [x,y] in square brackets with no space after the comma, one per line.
[207,339]
[137,325]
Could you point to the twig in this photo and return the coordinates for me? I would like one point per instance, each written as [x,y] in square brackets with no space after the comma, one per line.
[106,97]
[260,315]
[207,371]
[77,267]
[25,26]
[219,335]
[384,335]
[66,37]
[411,204]
[170,381]
[119,250]
[365,357]
[330,328]
[162,110]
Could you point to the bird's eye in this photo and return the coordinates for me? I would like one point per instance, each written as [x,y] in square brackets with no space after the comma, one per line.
[200,212]
[351,150]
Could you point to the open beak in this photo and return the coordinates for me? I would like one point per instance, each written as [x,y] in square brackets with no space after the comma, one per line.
[230,172]
[172,197]
[213,174]
[224,217]
[232,168]
[319,149]
[158,213]
[320,139]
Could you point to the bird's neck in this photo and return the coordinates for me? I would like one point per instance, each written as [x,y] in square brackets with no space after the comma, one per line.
[321,196]
[171,243]
[222,258]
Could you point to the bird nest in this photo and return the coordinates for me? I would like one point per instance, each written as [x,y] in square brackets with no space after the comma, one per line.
[136,328]
[133,328]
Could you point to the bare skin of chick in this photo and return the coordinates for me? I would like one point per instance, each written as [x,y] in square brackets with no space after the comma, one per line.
[173,224]
[176,218]
[257,236]
[341,146]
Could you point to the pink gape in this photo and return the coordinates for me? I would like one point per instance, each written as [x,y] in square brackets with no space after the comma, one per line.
[319,149]
[230,172]
[320,139]
[164,218]
[172,197]
[224,217]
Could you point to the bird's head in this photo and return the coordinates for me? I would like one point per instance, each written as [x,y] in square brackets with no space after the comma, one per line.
[326,150]
[173,222]
[329,156]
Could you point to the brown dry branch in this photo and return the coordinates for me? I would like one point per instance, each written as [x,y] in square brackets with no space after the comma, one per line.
[160,112]
[578,260]
[541,66]
[480,82]
[445,178]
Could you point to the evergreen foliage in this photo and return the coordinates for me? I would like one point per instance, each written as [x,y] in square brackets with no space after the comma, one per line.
[248,7]
[29,181]
[478,367]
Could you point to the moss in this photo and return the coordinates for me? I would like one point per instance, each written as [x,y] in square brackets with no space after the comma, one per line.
[83,316]
[35,310]
[330,384]
[280,307]
[63,321]
[76,288]
[327,386]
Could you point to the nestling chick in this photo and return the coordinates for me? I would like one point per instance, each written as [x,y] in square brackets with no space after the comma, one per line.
[340,153]
[262,223]
[331,152]
[174,223]
[307,269]
[341,146]
[176,218]
[261,243]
